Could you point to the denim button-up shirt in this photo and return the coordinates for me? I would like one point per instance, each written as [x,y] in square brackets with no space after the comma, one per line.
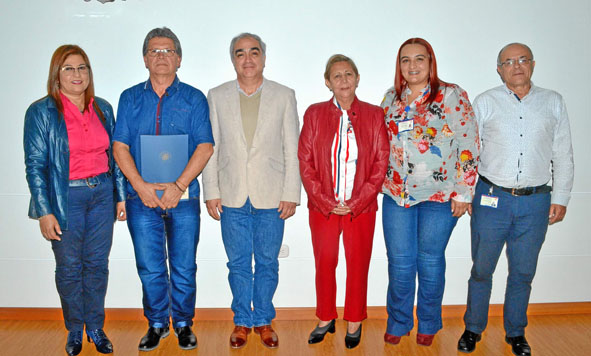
[182,110]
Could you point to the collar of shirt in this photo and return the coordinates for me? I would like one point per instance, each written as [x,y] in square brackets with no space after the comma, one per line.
[351,113]
[420,99]
[173,88]
[256,91]
[71,109]
[512,93]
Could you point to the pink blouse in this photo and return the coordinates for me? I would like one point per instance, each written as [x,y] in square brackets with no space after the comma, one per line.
[88,141]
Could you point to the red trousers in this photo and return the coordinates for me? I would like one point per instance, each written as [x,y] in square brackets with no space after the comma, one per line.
[358,241]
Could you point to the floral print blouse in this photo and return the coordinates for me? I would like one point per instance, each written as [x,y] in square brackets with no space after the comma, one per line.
[436,159]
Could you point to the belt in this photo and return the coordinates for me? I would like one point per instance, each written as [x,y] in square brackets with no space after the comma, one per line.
[90,182]
[520,191]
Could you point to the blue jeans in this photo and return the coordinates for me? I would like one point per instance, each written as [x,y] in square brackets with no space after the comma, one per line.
[168,287]
[416,238]
[249,231]
[520,222]
[82,256]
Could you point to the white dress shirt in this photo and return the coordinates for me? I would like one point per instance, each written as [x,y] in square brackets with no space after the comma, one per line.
[343,156]
[527,142]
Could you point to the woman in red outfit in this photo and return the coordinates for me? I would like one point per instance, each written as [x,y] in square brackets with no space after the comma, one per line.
[343,153]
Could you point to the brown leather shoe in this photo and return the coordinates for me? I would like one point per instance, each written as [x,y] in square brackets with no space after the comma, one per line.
[269,337]
[239,336]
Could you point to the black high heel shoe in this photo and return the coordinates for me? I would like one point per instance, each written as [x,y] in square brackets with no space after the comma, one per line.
[74,343]
[318,333]
[352,340]
[100,340]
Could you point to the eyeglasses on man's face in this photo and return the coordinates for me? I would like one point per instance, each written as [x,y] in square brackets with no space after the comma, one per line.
[512,61]
[162,51]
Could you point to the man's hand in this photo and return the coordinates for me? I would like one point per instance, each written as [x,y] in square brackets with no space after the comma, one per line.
[341,209]
[121,211]
[147,193]
[172,195]
[556,214]
[287,209]
[50,228]
[214,207]
[458,208]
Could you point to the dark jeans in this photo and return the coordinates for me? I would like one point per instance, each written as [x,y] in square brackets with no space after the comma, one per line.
[168,287]
[82,256]
[520,223]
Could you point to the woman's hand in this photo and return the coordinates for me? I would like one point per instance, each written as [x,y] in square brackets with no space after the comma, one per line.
[341,209]
[121,212]
[50,228]
[458,208]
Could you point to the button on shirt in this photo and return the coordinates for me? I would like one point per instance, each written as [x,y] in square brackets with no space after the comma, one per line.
[182,110]
[527,141]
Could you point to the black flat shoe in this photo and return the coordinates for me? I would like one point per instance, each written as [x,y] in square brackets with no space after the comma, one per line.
[151,340]
[318,333]
[187,340]
[352,340]
[467,342]
[100,340]
[519,345]
[74,343]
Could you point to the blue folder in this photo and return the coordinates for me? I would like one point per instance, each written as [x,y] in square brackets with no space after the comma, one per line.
[163,158]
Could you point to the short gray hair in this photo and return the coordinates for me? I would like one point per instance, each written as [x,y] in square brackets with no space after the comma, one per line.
[163,32]
[511,44]
[244,35]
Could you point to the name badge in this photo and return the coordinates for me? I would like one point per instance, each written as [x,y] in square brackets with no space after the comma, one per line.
[405,125]
[489,200]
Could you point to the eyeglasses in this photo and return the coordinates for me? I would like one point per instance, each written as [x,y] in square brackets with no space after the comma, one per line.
[81,69]
[511,62]
[165,52]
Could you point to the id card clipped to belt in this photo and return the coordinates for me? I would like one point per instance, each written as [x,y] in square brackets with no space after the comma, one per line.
[489,200]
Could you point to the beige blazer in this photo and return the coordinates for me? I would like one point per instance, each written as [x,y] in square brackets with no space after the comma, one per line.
[269,172]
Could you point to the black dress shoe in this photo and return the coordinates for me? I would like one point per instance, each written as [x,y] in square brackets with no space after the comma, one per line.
[519,345]
[74,343]
[467,342]
[318,333]
[100,340]
[151,340]
[187,340]
[352,340]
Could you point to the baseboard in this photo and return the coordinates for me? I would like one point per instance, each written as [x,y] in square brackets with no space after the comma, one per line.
[449,311]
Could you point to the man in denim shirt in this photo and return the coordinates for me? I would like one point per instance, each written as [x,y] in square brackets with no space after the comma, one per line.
[165,228]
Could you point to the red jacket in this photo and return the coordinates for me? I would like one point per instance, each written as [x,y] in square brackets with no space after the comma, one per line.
[321,122]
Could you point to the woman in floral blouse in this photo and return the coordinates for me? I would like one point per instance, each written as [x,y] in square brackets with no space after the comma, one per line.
[429,185]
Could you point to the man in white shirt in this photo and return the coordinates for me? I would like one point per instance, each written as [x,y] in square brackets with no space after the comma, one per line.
[525,143]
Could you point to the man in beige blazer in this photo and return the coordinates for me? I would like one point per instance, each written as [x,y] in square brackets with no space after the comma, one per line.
[252,183]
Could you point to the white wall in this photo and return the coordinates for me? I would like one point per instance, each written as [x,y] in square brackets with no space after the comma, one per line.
[300,35]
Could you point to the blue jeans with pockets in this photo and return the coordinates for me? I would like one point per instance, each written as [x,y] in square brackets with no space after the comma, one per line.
[520,223]
[165,245]
[247,232]
[416,238]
